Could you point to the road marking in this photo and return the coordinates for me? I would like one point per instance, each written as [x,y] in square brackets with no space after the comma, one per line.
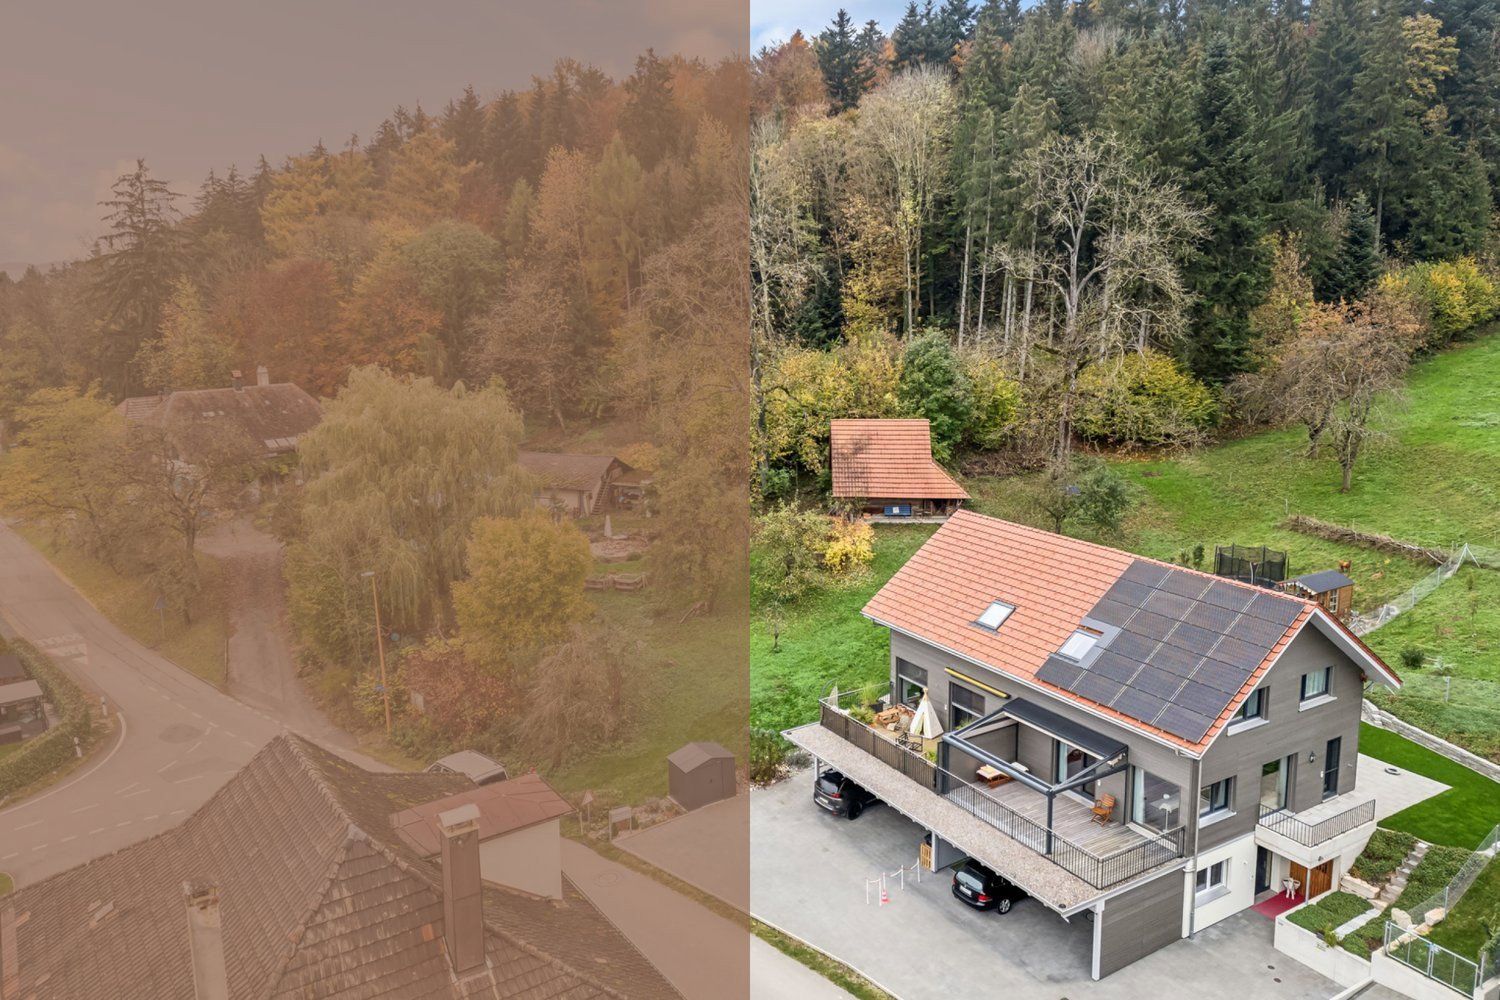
[125,788]
[152,817]
[13,854]
[97,829]
[71,836]
[39,847]
[27,826]
[194,748]
[124,822]
[91,805]
[138,791]
[176,812]
[170,763]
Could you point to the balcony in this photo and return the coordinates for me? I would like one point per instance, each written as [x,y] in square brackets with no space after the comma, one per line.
[1322,823]
[1064,837]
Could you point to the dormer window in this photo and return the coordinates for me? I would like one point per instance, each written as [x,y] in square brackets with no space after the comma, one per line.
[994,616]
[1079,644]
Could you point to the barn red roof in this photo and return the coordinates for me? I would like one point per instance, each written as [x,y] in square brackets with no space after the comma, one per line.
[888,459]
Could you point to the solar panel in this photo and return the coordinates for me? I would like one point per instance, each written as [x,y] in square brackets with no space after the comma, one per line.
[1221,676]
[1185,584]
[1239,654]
[1150,625]
[1155,681]
[1149,573]
[1097,688]
[1111,612]
[1133,647]
[1182,722]
[1171,605]
[1138,704]
[1200,698]
[1176,659]
[1192,637]
[1257,631]
[1211,617]
[1129,593]
[1115,666]
[1059,671]
[1227,595]
[1276,609]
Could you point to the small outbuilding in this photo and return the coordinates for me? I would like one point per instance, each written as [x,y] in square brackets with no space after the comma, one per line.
[1331,588]
[887,469]
[21,713]
[699,774]
[576,485]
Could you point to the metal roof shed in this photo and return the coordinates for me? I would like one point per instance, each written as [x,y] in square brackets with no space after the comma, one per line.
[699,774]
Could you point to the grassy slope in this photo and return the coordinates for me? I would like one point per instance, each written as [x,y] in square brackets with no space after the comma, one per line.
[1476,917]
[1459,817]
[198,647]
[824,639]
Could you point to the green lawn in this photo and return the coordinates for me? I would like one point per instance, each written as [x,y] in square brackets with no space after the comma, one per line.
[824,639]
[1436,869]
[1476,918]
[198,646]
[1460,817]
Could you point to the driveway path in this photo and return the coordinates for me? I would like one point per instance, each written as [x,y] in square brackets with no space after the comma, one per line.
[262,667]
[180,738]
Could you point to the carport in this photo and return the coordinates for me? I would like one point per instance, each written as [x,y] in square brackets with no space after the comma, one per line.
[1131,920]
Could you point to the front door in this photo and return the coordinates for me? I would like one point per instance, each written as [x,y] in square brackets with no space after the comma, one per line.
[1331,767]
[1262,870]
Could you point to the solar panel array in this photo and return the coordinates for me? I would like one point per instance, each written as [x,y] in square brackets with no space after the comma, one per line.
[1186,645]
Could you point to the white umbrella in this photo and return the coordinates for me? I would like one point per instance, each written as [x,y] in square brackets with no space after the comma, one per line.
[925,722]
[833,696]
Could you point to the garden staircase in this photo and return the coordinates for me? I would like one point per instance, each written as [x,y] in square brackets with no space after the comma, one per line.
[1397,881]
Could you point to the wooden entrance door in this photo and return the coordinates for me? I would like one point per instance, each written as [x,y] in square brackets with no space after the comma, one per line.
[1314,881]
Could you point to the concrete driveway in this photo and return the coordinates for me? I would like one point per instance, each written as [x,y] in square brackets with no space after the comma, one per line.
[808,874]
[708,848]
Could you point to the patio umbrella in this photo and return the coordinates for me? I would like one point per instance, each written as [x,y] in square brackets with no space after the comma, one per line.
[833,695]
[925,722]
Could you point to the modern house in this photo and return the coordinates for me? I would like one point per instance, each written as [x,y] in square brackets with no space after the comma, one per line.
[580,485]
[886,466]
[306,877]
[1150,744]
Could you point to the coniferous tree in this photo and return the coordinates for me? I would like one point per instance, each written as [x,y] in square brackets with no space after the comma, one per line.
[1355,263]
[463,125]
[845,70]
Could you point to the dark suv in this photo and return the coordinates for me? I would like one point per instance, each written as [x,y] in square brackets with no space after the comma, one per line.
[982,889]
[840,796]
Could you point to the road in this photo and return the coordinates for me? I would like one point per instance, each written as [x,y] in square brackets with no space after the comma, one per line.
[179,738]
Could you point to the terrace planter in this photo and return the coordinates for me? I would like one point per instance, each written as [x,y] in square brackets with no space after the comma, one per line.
[1335,963]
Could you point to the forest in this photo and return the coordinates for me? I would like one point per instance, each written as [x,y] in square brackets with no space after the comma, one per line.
[557,261]
[1121,224]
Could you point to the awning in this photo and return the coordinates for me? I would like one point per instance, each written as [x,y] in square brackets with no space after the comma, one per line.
[1070,732]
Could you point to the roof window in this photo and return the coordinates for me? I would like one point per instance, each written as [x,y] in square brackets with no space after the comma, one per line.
[994,616]
[1079,644]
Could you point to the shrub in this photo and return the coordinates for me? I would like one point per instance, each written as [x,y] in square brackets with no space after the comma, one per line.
[1144,399]
[1383,855]
[1453,296]
[1329,913]
[849,547]
[995,401]
[1412,658]
[44,754]
[768,754]
[790,545]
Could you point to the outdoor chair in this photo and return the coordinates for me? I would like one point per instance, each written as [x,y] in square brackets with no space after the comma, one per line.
[1104,809]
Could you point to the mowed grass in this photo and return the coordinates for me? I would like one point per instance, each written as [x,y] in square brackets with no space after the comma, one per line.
[685,682]
[1476,918]
[1460,817]
[824,640]
[197,646]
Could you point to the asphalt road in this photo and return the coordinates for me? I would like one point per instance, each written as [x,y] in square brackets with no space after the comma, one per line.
[178,738]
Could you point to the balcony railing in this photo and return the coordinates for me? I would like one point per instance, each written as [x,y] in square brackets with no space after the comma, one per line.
[1099,870]
[1291,826]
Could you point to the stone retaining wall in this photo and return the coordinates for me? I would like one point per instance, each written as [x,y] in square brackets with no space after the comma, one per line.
[1382,719]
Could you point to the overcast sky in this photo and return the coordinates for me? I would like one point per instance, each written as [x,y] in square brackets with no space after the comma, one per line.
[775,20]
[87,86]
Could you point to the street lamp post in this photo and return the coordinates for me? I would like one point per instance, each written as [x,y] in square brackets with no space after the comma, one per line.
[385,688]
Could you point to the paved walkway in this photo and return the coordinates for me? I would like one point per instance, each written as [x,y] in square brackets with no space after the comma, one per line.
[708,848]
[1392,792]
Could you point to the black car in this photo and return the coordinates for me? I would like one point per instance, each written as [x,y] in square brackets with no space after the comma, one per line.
[840,796]
[982,889]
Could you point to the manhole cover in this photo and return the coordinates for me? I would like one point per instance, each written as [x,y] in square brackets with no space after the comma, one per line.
[607,879]
[179,732]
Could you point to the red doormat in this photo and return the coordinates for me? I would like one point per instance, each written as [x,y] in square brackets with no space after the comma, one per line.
[1277,905]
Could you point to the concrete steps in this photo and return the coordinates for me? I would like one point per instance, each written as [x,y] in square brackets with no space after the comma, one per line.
[1398,880]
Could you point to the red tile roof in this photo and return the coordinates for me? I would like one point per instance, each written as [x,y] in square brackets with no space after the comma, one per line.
[1052,581]
[504,807]
[888,459]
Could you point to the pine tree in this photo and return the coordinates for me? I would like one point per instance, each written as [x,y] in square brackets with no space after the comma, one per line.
[508,153]
[463,125]
[909,37]
[1338,27]
[649,120]
[1356,258]
[1230,269]
[846,74]
[954,21]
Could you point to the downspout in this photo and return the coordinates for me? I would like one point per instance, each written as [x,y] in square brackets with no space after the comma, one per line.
[1197,774]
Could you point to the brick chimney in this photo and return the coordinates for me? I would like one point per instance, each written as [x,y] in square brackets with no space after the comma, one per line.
[238,379]
[463,907]
[206,941]
[262,375]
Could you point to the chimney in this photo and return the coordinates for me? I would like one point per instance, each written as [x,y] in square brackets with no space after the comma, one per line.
[206,941]
[463,908]
[239,379]
[262,375]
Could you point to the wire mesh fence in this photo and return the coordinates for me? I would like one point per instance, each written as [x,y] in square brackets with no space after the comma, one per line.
[1369,621]
[1406,945]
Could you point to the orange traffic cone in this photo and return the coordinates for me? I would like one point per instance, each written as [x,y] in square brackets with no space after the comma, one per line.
[884,896]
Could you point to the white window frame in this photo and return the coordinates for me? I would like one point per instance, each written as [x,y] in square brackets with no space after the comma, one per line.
[1078,645]
[999,612]
[1212,881]
[1325,692]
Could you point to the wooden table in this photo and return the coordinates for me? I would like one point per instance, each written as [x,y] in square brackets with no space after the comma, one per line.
[992,776]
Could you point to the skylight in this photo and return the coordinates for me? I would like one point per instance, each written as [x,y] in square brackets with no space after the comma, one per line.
[1079,644]
[994,616]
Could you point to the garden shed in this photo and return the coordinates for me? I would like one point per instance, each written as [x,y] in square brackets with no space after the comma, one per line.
[699,774]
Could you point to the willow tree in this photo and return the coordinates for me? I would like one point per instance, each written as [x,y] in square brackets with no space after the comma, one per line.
[397,473]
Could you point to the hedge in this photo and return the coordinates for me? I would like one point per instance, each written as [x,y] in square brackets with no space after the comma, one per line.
[44,754]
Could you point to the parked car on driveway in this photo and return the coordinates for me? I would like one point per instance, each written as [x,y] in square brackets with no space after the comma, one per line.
[982,889]
[841,796]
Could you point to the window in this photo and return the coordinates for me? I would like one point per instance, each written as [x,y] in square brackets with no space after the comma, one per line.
[1317,683]
[1333,602]
[1254,706]
[964,706]
[994,616]
[911,681]
[1212,877]
[1079,644]
[1154,802]
[1274,775]
[1216,798]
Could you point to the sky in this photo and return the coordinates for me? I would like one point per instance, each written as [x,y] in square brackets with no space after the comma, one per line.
[774,20]
[87,86]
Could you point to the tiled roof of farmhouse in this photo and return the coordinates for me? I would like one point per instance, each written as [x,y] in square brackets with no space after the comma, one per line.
[318,898]
[888,459]
[566,472]
[272,416]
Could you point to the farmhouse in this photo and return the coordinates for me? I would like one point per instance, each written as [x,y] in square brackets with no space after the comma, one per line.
[1157,747]
[267,417]
[309,877]
[580,485]
[886,466]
